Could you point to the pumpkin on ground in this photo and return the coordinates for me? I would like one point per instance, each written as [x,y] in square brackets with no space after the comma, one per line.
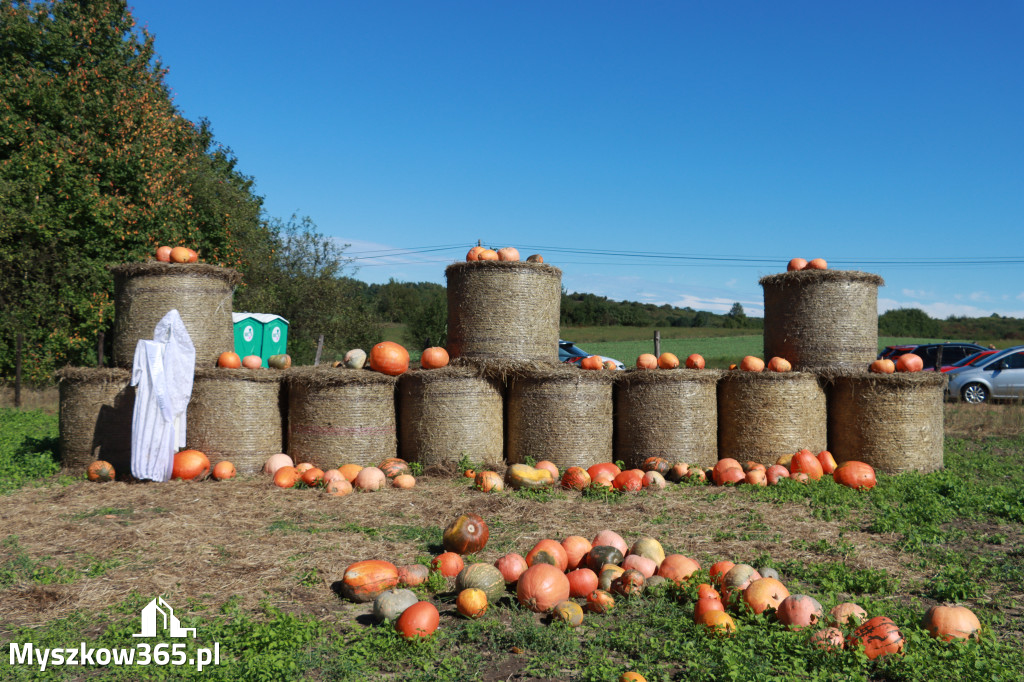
[678,568]
[879,637]
[640,563]
[602,555]
[471,602]
[582,582]
[467,534]
[828,639]
[764,593]
[286,477]
[394,466]
[548,466]
[804,462]
[338,487]
[363,581]
[100,471]
[630,582]
[419,620]
[828,462]
[488,481]
[369,479]
[388,357]
[856,475]
[607,574]
[799,611]
[484,577]
[847,612]
[223,471]
[448,563]
[950,621]
[548,552]
[541,586]
[600,601]
[190,465]
[512,566]
[719,622]
[390,604]
[719,569]
[350,471]
[576,548]
[704,605]
[568,612]
[659,464]
[524,476]
[313,477]
[275,462]
[705,590]
[413,574]
[403,481]
[575,478]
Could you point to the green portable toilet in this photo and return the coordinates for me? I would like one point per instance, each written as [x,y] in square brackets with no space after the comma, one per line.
[260,334]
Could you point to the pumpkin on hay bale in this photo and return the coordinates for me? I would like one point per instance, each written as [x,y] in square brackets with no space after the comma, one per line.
[673,415]
[341,416]
[202,294]
[894,422]
[444,413]
[821,318]
[505,310]
[95,417]
[237,414]
[764,415]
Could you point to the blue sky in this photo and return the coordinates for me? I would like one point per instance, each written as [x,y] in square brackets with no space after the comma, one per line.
[884,137]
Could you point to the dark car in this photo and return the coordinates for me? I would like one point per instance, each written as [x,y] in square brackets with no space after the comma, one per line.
[571,353]
[929,352]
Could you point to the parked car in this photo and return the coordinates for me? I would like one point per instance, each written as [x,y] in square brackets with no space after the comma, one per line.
[969,360]
[999,376]
[951,352]
[571,353]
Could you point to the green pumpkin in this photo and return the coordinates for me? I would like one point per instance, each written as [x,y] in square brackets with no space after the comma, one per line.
[601,555]
[485,577]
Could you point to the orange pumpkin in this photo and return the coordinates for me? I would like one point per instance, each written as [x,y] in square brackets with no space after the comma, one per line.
[338,487]
[775,472]
[448,563]
[350,471]
[719,569]
[856,475]
[100,471]
[193,256]
[466,534]
[508,253]
[704,605]
[390,358]
[229,359]
[806,463]
[434,358]
[548,552]
[827,461]
[190,465]
[576,548]
[541,586]
[535,258]
[603,467]
[568,612]
[678,568]
[731,475]
[369,478]
[796,264]
[592,362]
[394,466]
[471,602]
[582,582]
[764,593]
[474,253]
[777,364]
[223,471]
[286,477]
[488,481]
[419,620]
[575,478]
[313,477]
[403,481]
[817,264]
[646,361]
[180,254]
[512,566]
[751,363]
[163,254]
[600,601]
[705,591]
[756,477]
[487,254]
[719,622]
[677,472]
[668,361]
[799,611]
[303,467]
[883,366]
[950,621]
[363,581]
[909,362]
[879,637]
[628,481]
[695,361]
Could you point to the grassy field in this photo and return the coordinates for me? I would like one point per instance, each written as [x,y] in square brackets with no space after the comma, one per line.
[254,570]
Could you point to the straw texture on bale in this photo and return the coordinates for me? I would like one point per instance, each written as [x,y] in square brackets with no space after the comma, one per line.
[341,416]
[671,414]
[764,415]
[95,420]
[449,412]
[561,415]
[821,319]
[894,422]
[237,415]
[201,293]
[504,310]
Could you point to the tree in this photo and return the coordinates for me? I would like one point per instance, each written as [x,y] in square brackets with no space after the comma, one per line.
[908,322]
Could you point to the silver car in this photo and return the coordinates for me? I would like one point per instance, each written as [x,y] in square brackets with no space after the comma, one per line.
[1000,375]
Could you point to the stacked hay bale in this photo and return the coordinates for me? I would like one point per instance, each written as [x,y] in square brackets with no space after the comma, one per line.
[201,293]
[341,416]
[238,415]
[667,414]
[764,415]
[894,422]
[560,414]
[448,413]
[95,419]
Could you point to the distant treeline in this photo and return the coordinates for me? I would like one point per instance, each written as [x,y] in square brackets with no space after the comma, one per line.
[917,323]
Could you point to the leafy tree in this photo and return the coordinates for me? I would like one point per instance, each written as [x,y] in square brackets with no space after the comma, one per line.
[908,322]
[428,325]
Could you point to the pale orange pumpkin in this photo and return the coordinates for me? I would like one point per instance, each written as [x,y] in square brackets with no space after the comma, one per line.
[592,362]
[847,612]
[163,254]
[777,364]
[548,466]
[817,264]
[275,462]
[370,478]
[390,358]
[951,621]
[252,362]
[796,264]
[190,465]
[512,566]
[883,366]
[180,254]
[434,358]
[668,361]
[576,547]
[487,254]
[764,593]
[403,481]
[508,253]
[695,361]
[338,487]
[646,361]
[909,362]
[541,586]
[751,363]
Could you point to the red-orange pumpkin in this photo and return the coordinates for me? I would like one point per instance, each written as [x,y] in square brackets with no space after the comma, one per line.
[804,462]
[659,464]
[508,253]
[363,581]
[879,637]
[678,568]
[548,552]
[605,468]
[949,621]
[190,465]
[828,639]
[419,620]
[646,361]
[764,593]
[705,591]
[600,601]
[541,586]
[668,361]
[731,476]
[100,471]
[488,481]
[629,481]
[434,358]
[474,253]
[883,366]
[775,472]
[312,477]
[582,582]
[487,254]
[909,362]
[576,547]
[827,461]
[719,569]
[592,362]
[163,254]
[224,470]
[467,534]
[721,465]
[229,359]
[856,475]
[448,563]
[695,361]
[704,605]
[575,478]
[512,566]
[817,264]
[796,264]
[777,364]
[799,611]
[388,357]
[751,363]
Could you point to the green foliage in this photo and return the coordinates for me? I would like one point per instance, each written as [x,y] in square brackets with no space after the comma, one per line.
[428,325]
[28,447]
[907,322]
[588,309]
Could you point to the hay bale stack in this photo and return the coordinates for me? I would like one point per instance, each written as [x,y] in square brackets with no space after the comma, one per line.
[449,412]
[145,292]
[894,422]
[819,319]
[95,420]
[669,414]
[238,415]
[503,310]
[764,415]
[563,415]
[341,416]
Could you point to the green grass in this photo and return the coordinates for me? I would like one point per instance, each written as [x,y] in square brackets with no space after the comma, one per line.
[29,447]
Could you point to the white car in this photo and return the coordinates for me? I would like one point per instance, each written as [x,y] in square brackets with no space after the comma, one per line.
[1000,375]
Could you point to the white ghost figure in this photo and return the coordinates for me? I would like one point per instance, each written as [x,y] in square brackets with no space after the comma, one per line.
[162,373]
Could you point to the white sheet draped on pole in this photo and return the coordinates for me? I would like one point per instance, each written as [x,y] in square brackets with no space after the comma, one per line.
[162,373]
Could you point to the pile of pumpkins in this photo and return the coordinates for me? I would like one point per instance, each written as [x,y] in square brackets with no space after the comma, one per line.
[393,472]
[655,473]
[188,465]
[388,357]
[576,576]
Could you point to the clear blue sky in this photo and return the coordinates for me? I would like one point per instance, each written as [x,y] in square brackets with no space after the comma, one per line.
[877,135]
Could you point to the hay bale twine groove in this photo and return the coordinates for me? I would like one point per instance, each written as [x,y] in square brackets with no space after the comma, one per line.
[764,415]
[237,415]
[202,294]
[503,310]
[95,419]
[449,412]
[340,416]
[563,415]
[820,319]
[894,422]
[671,414]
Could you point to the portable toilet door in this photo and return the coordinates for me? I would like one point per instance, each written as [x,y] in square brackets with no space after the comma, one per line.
[275,338]
[260,334]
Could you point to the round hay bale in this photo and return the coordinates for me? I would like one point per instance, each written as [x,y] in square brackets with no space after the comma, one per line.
[95,420]
[669,414]
[503,310]
[145,292]
[562,415]
[819,319]
[894,422]
[449,412]
[237,415]
[341,416]
[764,415]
